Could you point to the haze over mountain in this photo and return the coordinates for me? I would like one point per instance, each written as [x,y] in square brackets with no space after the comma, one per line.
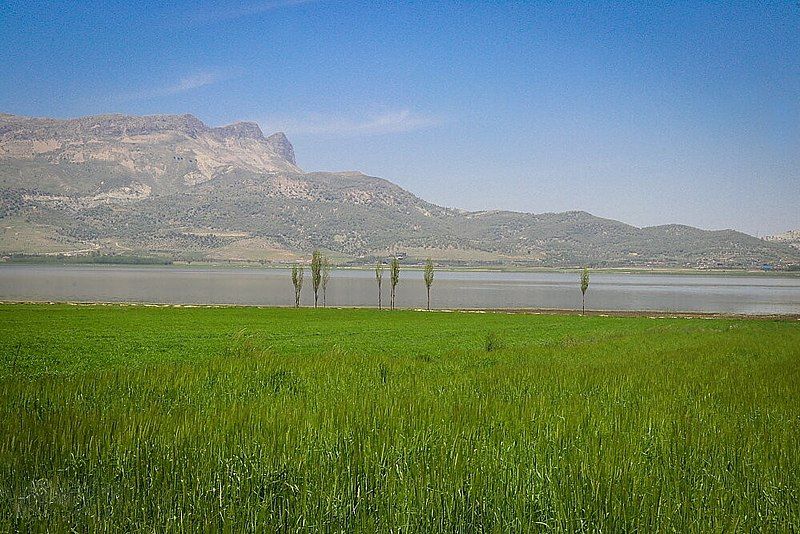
[169,185]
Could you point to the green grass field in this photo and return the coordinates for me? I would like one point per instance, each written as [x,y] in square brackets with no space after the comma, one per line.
[235,419]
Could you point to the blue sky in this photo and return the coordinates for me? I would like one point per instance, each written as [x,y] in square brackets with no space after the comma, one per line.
[647,113]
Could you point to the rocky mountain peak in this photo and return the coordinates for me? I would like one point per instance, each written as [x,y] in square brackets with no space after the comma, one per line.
[240,130]
[281,145]
[120,138]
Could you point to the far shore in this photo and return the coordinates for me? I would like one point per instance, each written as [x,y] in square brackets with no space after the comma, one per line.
[415,266]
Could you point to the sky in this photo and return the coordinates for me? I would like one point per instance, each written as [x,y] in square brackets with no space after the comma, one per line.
[649,113]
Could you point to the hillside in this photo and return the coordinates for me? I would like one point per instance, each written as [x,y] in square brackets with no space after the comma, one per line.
[174,187]
[792,237]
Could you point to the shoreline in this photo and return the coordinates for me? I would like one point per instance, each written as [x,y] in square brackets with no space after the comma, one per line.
[419,267]
[650,314]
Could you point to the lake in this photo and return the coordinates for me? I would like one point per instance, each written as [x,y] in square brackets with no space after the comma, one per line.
[760,294]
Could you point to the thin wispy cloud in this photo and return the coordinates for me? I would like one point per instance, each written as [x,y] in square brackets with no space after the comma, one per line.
[247,9]
[194,81]
[397,121]
[186,83]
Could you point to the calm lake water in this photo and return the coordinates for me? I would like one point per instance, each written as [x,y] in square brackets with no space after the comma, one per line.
[616,291]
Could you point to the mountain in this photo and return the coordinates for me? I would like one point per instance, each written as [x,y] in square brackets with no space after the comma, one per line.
[172,186]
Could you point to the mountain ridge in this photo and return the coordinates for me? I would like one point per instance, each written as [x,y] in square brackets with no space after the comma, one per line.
[171,185]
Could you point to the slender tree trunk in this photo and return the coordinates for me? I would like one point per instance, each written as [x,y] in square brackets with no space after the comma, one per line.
[429,299]
[583,305]
[316,296]
[380,305]
[324,303]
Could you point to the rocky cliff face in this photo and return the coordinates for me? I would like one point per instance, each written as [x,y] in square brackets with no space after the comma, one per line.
[165,153]
[281,145]
[19,128]
[240,130]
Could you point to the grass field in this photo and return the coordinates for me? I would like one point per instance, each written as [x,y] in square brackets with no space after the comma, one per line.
[234,419]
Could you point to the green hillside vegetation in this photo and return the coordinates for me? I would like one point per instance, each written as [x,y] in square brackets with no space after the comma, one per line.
[167,419]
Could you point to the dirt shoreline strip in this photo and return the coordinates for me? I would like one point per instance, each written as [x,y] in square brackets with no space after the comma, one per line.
[652,314]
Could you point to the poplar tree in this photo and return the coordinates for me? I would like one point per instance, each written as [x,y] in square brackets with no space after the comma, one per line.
[326,276]
[297,281]
[584,287]
[394,273]
[316,273]
[379,280]
[428,275]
